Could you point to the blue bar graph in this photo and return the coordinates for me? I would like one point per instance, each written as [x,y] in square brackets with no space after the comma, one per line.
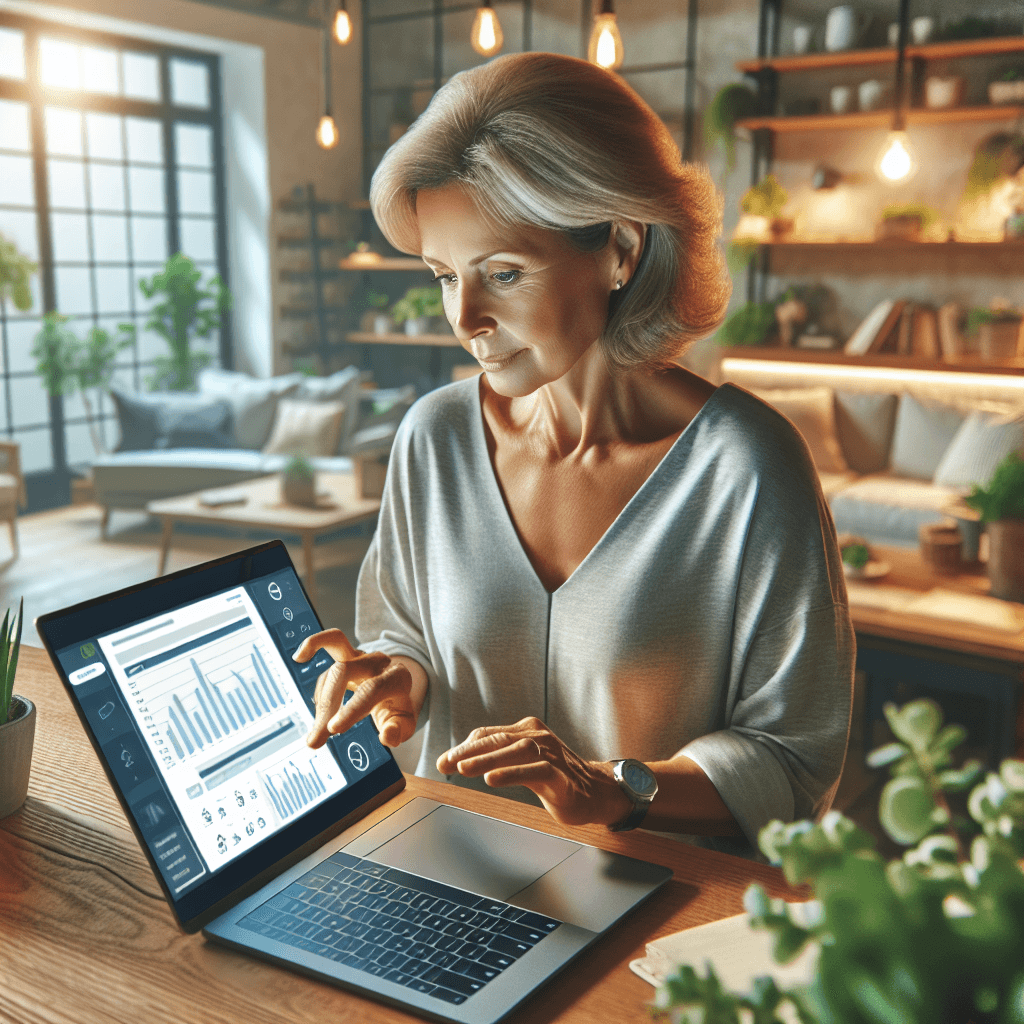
[291,788]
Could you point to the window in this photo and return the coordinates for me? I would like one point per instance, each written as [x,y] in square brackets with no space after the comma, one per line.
[109,161]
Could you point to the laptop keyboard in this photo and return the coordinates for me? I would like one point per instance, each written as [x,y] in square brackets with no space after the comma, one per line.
[427,936]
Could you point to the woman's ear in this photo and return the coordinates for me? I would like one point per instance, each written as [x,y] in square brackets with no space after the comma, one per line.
[627,239]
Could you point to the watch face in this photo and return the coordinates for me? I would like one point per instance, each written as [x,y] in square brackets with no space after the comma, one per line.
[639,777]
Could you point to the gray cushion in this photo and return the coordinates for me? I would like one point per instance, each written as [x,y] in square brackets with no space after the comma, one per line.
[864,425]
[343,386]
[981,443]
[921,437]
[164,419]
[253,401]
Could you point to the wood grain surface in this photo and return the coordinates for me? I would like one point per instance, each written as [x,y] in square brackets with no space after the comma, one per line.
[86,936]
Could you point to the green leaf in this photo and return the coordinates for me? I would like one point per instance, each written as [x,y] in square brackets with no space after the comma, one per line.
[916,723]
[882,756]
[957,780]
[905,809]
[1011,772]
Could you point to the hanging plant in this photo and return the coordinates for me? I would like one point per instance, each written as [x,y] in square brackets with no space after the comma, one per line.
[731,103]
[15,270]
[998,156]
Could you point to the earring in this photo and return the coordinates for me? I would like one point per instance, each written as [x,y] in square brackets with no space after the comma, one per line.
[618,285]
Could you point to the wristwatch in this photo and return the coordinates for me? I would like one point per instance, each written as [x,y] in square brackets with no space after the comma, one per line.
[640,785]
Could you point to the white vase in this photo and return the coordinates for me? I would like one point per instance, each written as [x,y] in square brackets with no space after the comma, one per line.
[383,323]
[417,325]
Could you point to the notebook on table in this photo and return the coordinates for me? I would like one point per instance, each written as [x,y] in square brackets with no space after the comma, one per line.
[187,691]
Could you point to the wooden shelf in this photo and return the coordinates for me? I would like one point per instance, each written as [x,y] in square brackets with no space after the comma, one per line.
[440,340]
[882,118]
[885,55]
[387,263]
[832,357]
[304,242]
[899,245]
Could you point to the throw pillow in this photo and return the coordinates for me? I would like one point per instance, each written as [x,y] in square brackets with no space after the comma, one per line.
[305,428]
[206,425]
[921,437]
[170,420]
[864,424]
[343,386]
[812,412]
[981,443]
[253,402]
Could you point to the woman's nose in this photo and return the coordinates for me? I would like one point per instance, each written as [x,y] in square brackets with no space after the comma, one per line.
[468,313]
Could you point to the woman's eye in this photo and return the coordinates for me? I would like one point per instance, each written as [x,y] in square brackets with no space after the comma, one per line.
[507,276]
[445,278]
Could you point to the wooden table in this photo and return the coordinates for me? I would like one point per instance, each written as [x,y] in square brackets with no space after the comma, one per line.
[88,937]
[949,656]
[338,505]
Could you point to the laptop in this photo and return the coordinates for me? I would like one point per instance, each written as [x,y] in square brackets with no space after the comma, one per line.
[186,688]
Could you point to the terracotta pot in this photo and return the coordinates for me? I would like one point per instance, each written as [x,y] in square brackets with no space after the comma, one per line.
[298,489]
[16,740]
[1006,558]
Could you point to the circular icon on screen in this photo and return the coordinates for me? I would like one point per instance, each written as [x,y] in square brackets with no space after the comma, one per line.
[288,614]
[358,756]
[274,591]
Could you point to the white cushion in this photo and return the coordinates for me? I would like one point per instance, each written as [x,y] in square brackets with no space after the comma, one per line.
[253,402]
[922,434]
[343,386]
[812,412]
[981,443]
[305,428]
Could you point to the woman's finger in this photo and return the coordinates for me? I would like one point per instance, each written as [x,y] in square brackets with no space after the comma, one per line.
[331,687]
[523,751]
[389,690]
[333,641]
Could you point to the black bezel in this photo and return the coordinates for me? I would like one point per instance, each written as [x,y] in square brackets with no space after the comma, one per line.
[84,621]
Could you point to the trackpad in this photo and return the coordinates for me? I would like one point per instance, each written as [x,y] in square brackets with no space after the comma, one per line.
[474,852]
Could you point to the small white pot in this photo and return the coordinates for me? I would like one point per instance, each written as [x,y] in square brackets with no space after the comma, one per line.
[840,99]
[417,325]
[1006,92]
[940,93]
[383,323]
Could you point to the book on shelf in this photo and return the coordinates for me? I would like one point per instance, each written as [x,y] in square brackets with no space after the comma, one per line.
[951,341]
[924,334]
[875,328]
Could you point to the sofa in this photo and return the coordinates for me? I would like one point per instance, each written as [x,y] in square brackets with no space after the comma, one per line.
[236,428]
[894,454]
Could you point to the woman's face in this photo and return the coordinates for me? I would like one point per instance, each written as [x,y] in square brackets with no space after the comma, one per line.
[523,301]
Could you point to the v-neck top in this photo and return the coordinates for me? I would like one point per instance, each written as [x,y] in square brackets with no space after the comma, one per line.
[710,619]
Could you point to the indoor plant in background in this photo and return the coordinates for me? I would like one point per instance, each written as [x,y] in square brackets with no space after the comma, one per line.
[998,328]
[934,937]
[17,720]
[1001,504]
[731,103]
[15,270]
[753,323]
[416,307]
[298,482]
[188,310]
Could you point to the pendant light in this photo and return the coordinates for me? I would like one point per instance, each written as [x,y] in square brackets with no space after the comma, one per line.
[486,36]
[896,163]
[605,48]
[327,134]
[342,26]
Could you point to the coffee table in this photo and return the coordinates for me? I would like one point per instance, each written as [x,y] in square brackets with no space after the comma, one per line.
[898,642]
[339,504]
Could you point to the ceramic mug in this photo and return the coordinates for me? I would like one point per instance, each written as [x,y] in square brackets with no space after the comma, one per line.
[869,94]
[801,38]
[921,29]
[840,98]
[894,34]
[840,28]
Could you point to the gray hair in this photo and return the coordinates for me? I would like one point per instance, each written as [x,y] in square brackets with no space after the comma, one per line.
[555,142]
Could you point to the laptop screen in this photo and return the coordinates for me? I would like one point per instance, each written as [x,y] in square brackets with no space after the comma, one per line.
[188,690]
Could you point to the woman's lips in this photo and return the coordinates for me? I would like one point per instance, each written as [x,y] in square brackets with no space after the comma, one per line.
[498,362]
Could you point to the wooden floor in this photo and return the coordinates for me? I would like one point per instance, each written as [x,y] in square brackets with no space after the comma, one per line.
[64,561]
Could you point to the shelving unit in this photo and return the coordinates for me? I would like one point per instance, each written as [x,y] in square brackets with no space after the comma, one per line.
[967,363]
[867,256]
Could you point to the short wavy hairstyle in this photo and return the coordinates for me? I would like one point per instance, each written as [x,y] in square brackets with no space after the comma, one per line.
[550,141]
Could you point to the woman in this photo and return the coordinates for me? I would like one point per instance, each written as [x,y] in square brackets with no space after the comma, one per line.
[589,553]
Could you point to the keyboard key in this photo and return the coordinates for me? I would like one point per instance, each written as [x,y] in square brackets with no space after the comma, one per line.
[501,944]
[531,936]
[455,998]
[455,982]
[448,942]
[482,972]
[419,985]
[343,859]
[419,951]
[479,937]
[443,959]
[398,977]
[298,892]
[489,906]
[367,867]
[470,950]
[459,931]
[538,921]
[461,914]
[422,901]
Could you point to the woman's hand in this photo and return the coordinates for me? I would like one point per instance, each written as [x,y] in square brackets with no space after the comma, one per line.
[382,688]
[574,791]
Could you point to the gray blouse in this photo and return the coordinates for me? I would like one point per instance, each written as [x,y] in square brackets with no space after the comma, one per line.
[709,620]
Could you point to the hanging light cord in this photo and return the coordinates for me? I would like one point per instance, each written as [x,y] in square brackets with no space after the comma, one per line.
[899,120]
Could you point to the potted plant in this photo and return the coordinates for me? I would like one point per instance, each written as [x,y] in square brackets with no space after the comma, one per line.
[1009,87]
[376,318]
[416,307]
[15,270]
[752,324]
[997,328]
[731,103]
[188,311]
[17,720]
[298,482]
[934,937]
[761,209]
[907,221]
[997,157]
[1001,504]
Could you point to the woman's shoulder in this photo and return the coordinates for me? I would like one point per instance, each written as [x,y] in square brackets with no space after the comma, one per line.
[444,407]
[739,417]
